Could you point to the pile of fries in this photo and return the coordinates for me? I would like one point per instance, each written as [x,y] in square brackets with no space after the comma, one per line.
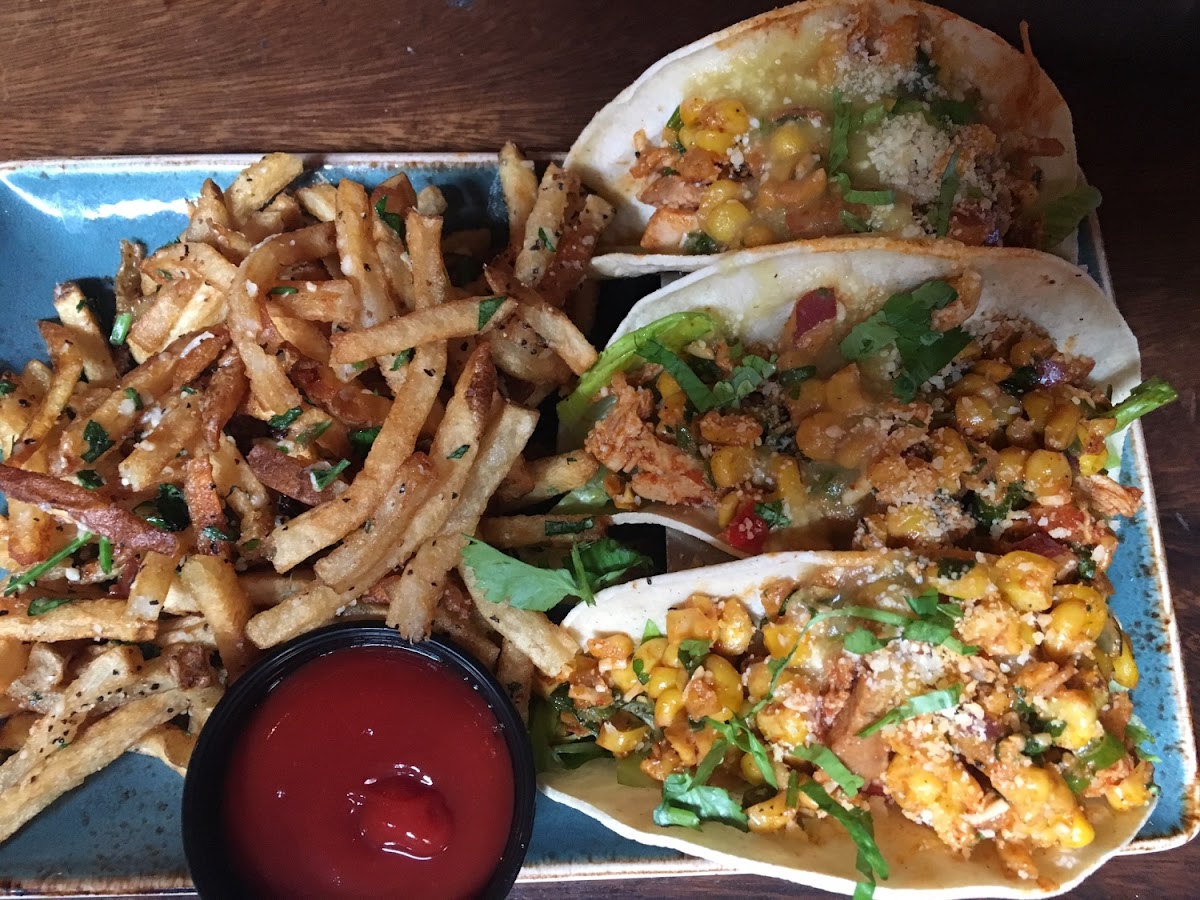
[296,418]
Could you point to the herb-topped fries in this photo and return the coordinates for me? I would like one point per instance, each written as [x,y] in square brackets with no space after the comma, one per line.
[297,414]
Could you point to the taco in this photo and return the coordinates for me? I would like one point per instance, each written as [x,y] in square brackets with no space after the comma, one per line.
[940,725]
[856,395]
[832,117]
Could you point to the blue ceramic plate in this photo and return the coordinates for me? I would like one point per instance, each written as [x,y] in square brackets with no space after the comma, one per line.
[62,220]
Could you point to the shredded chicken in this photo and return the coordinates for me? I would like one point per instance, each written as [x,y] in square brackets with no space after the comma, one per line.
[624,442]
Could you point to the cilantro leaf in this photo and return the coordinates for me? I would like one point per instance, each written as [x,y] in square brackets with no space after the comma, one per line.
[546,240]
[587,498]
[1060,217]
[698,243]
[946,194]
[97,439]
[505,579]
[458,452]
[854,223]
[89,478]
[33,573]
[170,509]
[675,122]
[556,527]
[688,801]
[824,758]
[1102,752]
[7,386]
[920,705]
[106,555]
[740,735]
[862,642]
[310,434]
[989,514]
[42,605]
[697,392]
[692,653]
[403,358]
[772,513]
[394,221]
[323,478]
[284,420]
[744,380]
[363,438]
[672,332]
[213,533]
[839,146]
[487,309]
[606,561]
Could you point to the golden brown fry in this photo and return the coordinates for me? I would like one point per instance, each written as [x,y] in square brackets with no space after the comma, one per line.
[78,620]
[204,507]
[319,301]
[280,215]
[569,267]
[351,402]
[453,319]
[551,475]
[68,368]
[177,429]
[100,744]
[81,327]
[528,531]
[520,185]
[220,401]
[319,201]
[127,285]
[261,181]
[223,603]
[546,223]
[148,593]
[550,647]
[289,476]
[243,492]
[360,261]
[514,671]
[561,334]
[200,353]
[295,615]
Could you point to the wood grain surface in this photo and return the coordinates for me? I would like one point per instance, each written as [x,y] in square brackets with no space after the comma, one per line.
[108,77]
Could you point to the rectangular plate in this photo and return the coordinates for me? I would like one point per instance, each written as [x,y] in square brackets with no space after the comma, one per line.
[62,220]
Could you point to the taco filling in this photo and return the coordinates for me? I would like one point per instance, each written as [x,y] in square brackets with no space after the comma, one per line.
[851,122]
[920,426]
[984,698]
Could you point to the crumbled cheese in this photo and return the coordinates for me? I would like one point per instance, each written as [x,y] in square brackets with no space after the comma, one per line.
[202,336]
[251,289]
[904,150]
[127,407]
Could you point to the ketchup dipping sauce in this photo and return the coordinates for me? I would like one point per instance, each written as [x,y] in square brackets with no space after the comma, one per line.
[367,771]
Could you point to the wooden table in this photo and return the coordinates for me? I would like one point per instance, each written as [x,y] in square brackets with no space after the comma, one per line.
[106,77]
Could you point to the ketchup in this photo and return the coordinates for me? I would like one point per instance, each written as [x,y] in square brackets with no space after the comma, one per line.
[369,773]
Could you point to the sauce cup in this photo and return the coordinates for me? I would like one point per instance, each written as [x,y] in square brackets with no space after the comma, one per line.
[352,762]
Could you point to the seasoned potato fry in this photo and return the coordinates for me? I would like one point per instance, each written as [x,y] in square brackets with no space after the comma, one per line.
[551,476]
[520,186]
[294,616]
[223,603]
[148,593]
[514,671]
[528,531]
[81,619]
[545,225]
[447,321]
[80,323]
[252,189]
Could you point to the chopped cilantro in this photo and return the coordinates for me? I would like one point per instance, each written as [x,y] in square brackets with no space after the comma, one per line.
[1146,397]
[854,223]
[42,605]
[862,642]
[1102,752]
[169,511]
[688,801]
[556,527]
[363,438]
[106,555]
[650,631]
[989,514]
[310,434]
[954,569]
[698,243]
[487,309]
[403,358]
[283,290]
[392,220]
[675,122]
[546,241]
[133,395]
[458,452]
[1022,380]
[7,386]
[858,824]
[839,147]
[89,478]
[639,669]
[692,653]
[772,513]
[323,478]
[920,705]
[213,533]
[97,440]
[821,756]
[284,420]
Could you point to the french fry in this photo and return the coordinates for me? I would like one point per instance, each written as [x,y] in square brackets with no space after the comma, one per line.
[528,531]
[176,430]
[360,260]
[519,183]
[446,321]
[295,615]
[545,225]
[127,284]
[468,629]
[289,476]
[80,323]
[220,402]
[188,260]
[254,187]
[148,593]
[318,301]
[413,597]
[280,215]
[208,209]
[78,620]
[100,744]
[319,201]
[38,687]
[223,602]
[552,476]
[550,647]
[514,671]
[198,354]
[561,334]
[67,370]
[569,268]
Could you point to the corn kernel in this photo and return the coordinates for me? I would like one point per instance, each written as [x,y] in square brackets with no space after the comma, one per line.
[728,115]
[1038,405]
[757,235]
[1028,351]
[624,679]
[651,653]
[1132,791]
[663,677]
[788,141]
[732,466]
[718,192]
[975,418]
[781,725]
[726,680]
[749,769]
[1010,465]
[667,386]
[1047,473]
[817,436]
[1025,580]
[789,485]
[725,221]
[992,369]
[668,706]
[1078,617]
[770,815]
[620,743]
[780,638]
[612,646]
[973,584]
[679,736]
[735,628]
[809,399]
[690,109]
[1074,709]
[843,391]
[1079,833]
[911,522]
[712,140]
[690,625]
[1061,426]
[727,508]
[1125,669]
